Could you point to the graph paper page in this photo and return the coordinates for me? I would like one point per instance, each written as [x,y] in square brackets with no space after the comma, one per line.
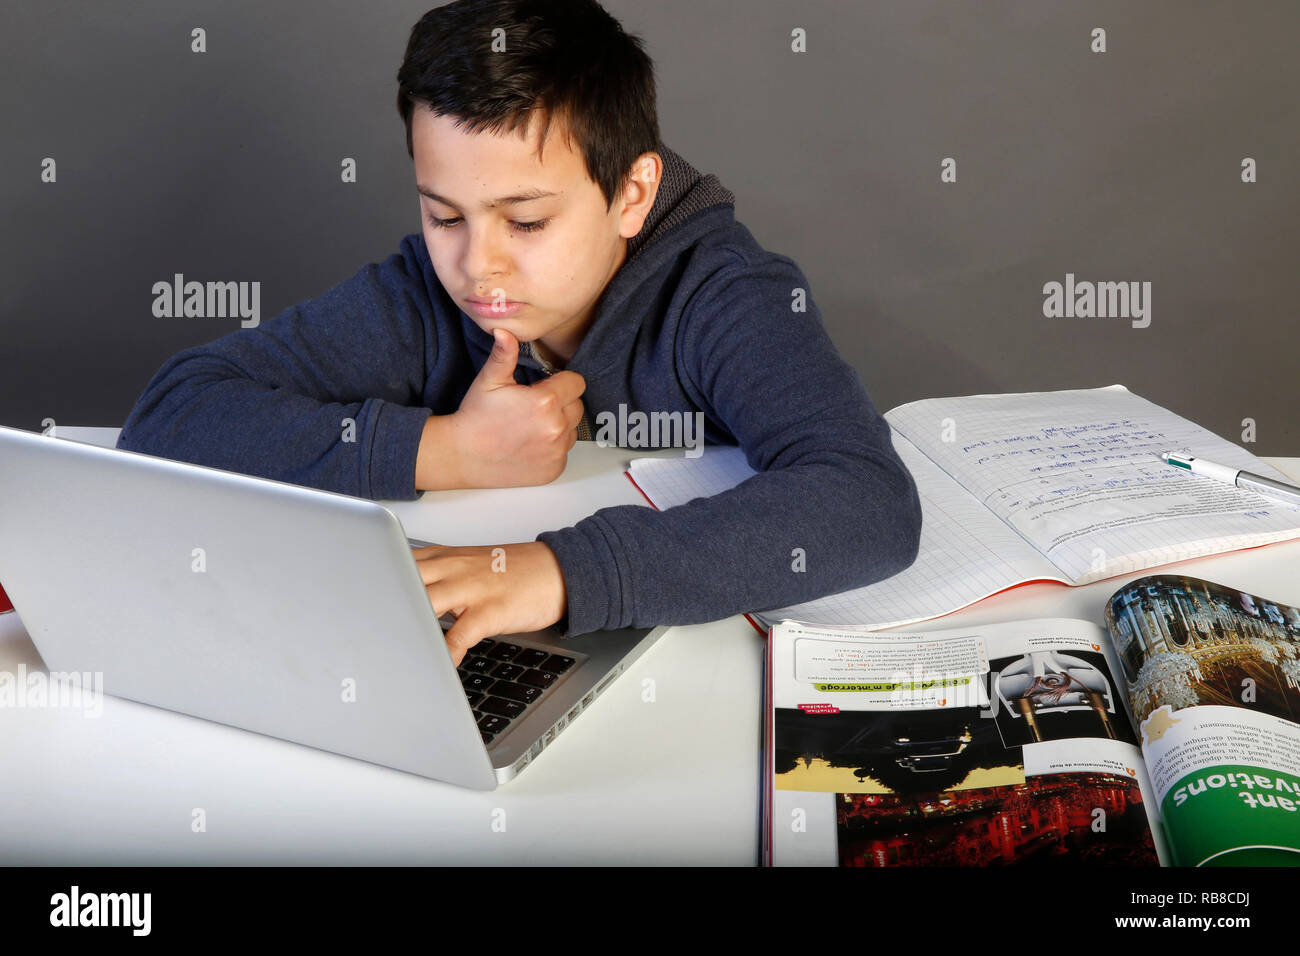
[1078,474]
[966,553]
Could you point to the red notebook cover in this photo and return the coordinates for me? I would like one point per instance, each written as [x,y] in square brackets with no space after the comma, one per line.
[5,603]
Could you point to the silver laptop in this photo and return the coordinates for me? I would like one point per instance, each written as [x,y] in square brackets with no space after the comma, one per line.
[276,608]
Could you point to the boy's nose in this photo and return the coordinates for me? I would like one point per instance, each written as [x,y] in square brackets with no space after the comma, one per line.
[485,259]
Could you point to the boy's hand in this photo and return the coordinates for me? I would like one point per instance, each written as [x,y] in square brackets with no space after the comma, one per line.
[492,590]
[506,434]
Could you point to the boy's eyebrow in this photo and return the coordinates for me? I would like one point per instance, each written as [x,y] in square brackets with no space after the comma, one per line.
[524,196]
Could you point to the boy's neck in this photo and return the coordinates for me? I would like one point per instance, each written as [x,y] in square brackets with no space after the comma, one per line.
[548,356]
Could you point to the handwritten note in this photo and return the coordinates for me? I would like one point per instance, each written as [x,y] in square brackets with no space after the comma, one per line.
[1078,475]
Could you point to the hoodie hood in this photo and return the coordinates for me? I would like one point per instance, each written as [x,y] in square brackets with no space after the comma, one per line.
[683,191]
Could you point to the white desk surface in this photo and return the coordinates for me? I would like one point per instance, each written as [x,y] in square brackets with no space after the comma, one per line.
[674,780]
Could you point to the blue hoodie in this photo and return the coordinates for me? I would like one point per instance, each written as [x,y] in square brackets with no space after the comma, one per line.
[699,318]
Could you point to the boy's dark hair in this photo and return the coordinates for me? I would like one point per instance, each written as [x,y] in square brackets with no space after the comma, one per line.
[565,58]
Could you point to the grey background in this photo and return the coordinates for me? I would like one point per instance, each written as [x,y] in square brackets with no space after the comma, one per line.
[1117,167]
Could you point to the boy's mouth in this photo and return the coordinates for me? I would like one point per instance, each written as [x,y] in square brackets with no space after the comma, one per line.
[493,309]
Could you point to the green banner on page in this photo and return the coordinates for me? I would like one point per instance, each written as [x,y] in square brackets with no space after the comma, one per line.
[1234,815]
[897,686]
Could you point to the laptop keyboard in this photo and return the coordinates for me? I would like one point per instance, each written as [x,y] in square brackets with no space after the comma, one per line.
[502,680]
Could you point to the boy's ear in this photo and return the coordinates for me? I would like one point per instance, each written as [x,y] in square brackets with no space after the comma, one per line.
[639,193]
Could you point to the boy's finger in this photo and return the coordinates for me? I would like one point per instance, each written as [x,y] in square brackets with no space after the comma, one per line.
[468,630]
[429,572]
[573,413]
[444,597]
[566,385]
[457,656]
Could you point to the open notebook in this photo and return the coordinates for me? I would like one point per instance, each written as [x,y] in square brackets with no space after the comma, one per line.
[1039,486]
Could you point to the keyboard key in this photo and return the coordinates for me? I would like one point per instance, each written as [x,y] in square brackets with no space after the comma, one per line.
[557,664]
[501,707]
[504,652]
[477,665]
[474,697]
[541,679]
[493,724]
[479,682]
[486,644]
[531,657]
[487,737]
[519,692]
[507,671]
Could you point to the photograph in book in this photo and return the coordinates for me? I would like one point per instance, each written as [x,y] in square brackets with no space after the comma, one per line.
[1183,641]
[902,752]
[1071,819]
[1052,695]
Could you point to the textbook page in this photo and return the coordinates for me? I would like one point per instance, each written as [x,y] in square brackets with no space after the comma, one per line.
[1212,679]
[966,553]
[1078,474]
[988,746]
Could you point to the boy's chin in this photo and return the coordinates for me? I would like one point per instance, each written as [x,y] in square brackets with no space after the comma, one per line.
[522,332]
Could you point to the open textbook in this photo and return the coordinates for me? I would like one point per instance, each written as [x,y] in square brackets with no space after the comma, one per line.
[1061,486]
[1171,735]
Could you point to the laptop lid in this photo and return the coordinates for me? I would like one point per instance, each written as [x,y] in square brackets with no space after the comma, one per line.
[284,610]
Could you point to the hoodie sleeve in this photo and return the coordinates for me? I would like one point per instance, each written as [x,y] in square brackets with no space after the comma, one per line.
[832,507]
[326,394]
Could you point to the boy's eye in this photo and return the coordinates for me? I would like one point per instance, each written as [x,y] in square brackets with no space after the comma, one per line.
[521,226]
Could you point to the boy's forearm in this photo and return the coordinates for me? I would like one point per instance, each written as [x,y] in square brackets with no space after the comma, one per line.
[437,463]
[850,519]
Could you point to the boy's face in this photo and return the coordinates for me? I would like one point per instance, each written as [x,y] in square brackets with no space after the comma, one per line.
[533,266]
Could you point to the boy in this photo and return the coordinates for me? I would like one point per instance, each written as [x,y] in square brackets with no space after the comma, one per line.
[569,264]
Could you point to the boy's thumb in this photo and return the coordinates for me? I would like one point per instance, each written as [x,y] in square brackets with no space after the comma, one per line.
[500,366]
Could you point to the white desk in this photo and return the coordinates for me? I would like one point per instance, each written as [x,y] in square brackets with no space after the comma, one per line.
[675,780]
